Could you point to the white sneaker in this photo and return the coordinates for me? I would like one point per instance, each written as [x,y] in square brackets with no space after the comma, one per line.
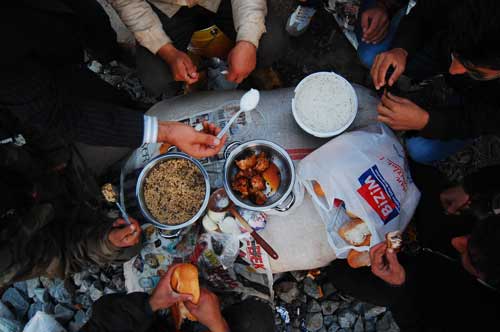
[299,20]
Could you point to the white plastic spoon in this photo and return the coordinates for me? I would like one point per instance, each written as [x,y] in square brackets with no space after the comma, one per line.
[247,103]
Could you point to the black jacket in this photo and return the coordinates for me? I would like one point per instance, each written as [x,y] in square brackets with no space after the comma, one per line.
[479,111]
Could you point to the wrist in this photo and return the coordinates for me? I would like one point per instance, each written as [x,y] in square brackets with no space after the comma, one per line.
[165,132]
[153,303]
[167,51]
[220,326]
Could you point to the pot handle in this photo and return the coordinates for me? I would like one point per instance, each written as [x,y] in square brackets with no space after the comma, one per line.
[230,147]
[287,204]
[170,236]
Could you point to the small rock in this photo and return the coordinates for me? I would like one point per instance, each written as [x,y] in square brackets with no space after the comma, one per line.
[298,275]
[328,320]
[48,308]
[33,284]
[296,323]
[104,278]
[329,307]
[10,325]
[118,282]
[323,329]
[334,327]
[22,286]
[302,298]
[358,326]
[108,290]
[63,314]
[387,323]
[95,66]
[287,291]
[312,289]
[370,325]
[313,306]
[41,295]
[85,285]
[359,307]
[94,269]
[347,329]
[95,291]
[46,282]
[78,321]
[84,300]
[79,277]
[346,318]
[17,300]
[314,322]
[328,289]
[5,312]
[374,311]
[59,292]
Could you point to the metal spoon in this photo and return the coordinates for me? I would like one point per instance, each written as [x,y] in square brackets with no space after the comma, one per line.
[110,195]
[220,202]
[247,103]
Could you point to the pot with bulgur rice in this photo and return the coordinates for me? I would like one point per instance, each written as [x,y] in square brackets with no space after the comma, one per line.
[173,191]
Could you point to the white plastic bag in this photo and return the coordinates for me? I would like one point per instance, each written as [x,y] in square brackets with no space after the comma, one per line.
[43,322]
[368,171]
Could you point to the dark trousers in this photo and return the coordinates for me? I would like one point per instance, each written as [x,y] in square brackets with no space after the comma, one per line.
[155,73]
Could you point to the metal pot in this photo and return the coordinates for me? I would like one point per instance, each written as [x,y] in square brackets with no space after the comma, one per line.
[283,198]
[170,231]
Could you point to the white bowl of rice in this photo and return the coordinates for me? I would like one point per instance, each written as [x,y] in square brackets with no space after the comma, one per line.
[325,104]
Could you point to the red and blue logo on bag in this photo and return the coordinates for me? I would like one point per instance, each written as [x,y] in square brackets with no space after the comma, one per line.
[377,192]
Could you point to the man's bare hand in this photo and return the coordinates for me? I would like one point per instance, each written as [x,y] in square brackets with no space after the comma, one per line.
[385,265]
[207,311]
[180,63]
[395,58]
[197,144]
[454,199]
[401,113]
[123,235]
[163,296]
[242,61]
[375,24]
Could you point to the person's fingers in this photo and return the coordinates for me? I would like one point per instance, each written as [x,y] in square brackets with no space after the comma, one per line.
[372,29]
[119,222]
[206,139]
[386,120]
[399,100]
[382,72]
[231,76]
[388,102]
[184,297]
[374,69]
[377,253]
[392,258]
[205,126]
[380,33]
[398,71]
[385,111]
[190,68]
[365,23]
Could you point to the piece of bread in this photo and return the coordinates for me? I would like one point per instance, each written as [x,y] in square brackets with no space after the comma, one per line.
[317,189]
[355,232]
[184,280]
[357,259]
[394,240]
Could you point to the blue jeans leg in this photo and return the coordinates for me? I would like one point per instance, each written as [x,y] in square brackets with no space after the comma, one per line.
[425,150]
[368,52]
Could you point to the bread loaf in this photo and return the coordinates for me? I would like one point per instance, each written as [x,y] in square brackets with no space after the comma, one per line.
[357,259]
[355,232]
[184,280]
[394,240]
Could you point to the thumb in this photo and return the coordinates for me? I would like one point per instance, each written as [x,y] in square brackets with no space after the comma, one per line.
[184,297]
[206,139]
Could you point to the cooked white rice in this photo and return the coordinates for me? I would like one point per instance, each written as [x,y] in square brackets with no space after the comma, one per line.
[324,103]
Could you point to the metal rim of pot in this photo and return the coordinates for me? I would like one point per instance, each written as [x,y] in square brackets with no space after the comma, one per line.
[233,150]
[171,154]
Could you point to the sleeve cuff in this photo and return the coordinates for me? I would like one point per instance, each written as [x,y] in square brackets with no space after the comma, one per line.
[251,33]
[150,129]
[152,39]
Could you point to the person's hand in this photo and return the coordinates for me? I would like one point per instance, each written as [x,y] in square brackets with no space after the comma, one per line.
[180,63]
[385,265]
[123,235]
[395,58]
[163,296]
[207,311]
[197,144]
[241,61]
[454,199]
[401,113]
[375,24]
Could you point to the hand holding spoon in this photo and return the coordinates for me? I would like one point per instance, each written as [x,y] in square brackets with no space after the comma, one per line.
[111,196]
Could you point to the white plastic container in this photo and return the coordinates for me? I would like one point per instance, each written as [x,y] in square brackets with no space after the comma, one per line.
[319,87]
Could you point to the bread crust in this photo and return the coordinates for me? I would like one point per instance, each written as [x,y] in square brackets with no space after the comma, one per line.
[394,240]
[357,259]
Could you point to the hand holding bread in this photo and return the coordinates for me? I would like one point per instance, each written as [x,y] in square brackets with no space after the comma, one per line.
[385,265]
[164,296]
